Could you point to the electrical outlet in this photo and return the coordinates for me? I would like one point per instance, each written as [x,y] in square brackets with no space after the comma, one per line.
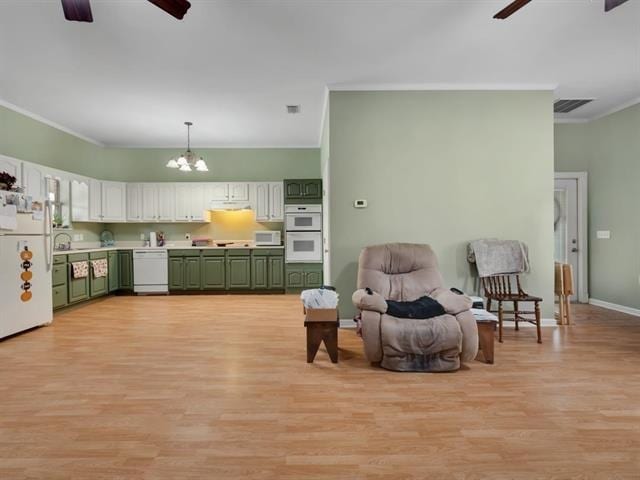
[142,236]
[187,236]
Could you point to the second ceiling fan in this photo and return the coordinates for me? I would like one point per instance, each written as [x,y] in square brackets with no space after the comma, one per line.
[513,7]
[80,10]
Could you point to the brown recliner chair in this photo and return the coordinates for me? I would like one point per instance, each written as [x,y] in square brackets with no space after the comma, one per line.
[406,272]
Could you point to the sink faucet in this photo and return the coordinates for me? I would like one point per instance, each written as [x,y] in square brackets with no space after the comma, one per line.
[62,246]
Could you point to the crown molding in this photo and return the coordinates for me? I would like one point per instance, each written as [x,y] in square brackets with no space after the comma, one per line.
[368,87]
[46,121]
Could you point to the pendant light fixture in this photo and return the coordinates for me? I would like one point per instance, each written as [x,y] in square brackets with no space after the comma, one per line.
[188,161]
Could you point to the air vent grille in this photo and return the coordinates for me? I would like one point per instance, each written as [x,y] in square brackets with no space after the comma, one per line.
[293,108]
[569,105]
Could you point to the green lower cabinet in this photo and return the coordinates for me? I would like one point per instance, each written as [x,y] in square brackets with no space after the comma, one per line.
[276,273]
[98,286]
[125,269]
[213,273]
[78,288]
[303,275]
[259,273]
[114,276]
[60,296]
[192,276]
[239,272]
[176,273]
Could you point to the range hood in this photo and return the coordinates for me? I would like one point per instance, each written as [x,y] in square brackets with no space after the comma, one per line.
[217,206]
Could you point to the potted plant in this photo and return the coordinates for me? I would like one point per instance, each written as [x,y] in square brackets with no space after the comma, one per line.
[7,181]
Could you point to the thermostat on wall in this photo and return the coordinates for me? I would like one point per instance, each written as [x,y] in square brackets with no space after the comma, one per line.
[360,203]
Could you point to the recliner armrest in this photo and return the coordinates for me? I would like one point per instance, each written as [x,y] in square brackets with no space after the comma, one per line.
[373,301]
[452,302]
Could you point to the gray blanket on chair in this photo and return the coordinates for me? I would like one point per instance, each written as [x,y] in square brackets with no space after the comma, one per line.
[498,257]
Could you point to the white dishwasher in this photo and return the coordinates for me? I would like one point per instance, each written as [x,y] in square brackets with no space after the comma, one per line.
[150,271]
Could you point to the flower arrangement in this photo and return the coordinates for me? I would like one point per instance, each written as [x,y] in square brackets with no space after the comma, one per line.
[7,181]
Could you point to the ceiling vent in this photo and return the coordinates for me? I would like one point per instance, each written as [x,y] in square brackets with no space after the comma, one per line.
[293,109]
[569,105]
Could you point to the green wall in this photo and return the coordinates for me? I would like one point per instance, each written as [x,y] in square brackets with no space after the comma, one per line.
[27,139]
[609,150]
[441,168]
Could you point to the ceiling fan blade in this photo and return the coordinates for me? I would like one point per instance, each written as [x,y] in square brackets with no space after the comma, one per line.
[611,4]
[176,8]
[77,10]
[510,9]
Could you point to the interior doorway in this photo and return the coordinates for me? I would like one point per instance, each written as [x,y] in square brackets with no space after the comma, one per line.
[570,228]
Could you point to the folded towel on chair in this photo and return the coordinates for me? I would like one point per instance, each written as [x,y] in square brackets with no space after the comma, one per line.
[498,257]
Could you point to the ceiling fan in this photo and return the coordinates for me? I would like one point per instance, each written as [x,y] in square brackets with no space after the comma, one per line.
[80,10]
[513,7]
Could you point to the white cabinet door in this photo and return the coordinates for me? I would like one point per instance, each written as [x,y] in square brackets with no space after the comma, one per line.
[166,202]
[262,202]
[276,202]
[134,202]
[183,202]
[238,191]
[216,192]
[12,167]
[114,201]
[198,205]
[95,200]
[149,202]
[79,201]
[33,181]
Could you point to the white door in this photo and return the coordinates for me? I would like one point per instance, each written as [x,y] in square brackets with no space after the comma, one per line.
[134,202]
[114,201]
[183,202]
[216,192]
[33,181]
[262,202]
[326,246]
[12,167]
[166,202]
[565,226]
[149,202]
[276,202]
[198,206]
[238,191]
[79,201]
[95,200]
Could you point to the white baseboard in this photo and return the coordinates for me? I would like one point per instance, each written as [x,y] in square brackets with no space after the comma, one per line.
[614,306]
[347,323]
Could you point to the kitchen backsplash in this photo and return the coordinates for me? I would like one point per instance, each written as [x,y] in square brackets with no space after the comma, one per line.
[232,225]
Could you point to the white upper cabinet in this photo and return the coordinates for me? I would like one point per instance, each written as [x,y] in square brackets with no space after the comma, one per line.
[262,202]
[166,193]
[238,192]
[198,204]
[190,204]
[12,167]
[79,200]
[95,200]
[134,202]
[276,202]
[216,192]
[114,207]
[33,181]
[149,202]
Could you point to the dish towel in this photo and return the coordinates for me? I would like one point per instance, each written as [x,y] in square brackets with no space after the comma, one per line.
[80,269]
[498,257]
[100,268]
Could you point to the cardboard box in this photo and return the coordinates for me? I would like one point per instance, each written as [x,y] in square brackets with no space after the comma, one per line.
[321,315]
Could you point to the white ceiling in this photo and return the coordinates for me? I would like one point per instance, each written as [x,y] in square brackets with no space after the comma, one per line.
[134,75]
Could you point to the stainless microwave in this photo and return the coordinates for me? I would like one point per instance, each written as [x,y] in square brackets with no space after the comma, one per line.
[267,237]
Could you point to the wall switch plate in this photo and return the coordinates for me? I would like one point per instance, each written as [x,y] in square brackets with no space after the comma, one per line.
[187,236]
[361,203]
[603,234]
[142,236]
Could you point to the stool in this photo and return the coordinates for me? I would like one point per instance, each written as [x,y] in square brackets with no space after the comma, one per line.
[486,334]
[322,326]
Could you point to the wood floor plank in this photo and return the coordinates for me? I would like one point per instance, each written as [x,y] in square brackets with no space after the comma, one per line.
[217,387]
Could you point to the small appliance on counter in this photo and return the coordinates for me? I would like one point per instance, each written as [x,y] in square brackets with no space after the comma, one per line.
[200,242]
[267,237]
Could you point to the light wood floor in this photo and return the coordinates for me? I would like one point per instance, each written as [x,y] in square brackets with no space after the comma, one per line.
[217,387]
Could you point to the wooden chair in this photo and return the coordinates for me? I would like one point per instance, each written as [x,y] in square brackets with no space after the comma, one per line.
[564,290]
[507,288]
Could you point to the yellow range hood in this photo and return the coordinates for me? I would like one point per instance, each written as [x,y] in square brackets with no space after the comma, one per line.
[229,206]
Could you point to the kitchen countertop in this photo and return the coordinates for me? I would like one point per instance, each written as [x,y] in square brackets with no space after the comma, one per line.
[167,247]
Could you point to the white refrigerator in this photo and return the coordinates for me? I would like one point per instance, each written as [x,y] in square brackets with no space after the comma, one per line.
[26,256]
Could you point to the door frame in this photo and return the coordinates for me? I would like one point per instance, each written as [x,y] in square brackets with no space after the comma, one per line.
[583,230]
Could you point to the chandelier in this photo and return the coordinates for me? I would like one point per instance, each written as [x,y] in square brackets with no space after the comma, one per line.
[188,161]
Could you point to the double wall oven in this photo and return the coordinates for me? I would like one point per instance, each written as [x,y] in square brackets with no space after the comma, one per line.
[303,225]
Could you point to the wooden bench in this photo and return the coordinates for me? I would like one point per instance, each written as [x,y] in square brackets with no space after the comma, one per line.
[322,326]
